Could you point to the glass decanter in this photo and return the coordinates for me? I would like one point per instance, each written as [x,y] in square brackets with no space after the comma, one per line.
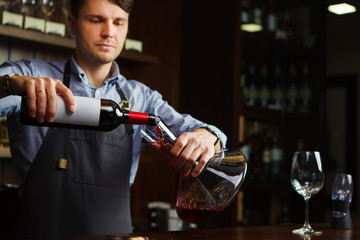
[209,193]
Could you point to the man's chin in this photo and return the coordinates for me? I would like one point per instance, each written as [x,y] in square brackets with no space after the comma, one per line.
[105,60]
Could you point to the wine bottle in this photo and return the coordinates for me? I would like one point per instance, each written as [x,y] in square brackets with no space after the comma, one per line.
[271,18]
[277,91]
[292,88]
[305,90]
[264,91]
[253,88]
[91,114]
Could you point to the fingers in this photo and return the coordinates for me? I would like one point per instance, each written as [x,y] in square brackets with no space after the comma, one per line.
[31,98]
[41,103]
[191,152]
[67,94]
[42,97]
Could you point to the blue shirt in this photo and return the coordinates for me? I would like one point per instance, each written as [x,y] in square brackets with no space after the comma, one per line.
[25,141]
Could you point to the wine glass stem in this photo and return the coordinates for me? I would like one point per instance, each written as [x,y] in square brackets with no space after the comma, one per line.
[307,224]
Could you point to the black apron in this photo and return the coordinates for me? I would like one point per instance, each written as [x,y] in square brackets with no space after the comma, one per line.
[78,183]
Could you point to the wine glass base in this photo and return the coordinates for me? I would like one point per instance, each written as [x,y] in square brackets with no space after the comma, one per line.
[306,230]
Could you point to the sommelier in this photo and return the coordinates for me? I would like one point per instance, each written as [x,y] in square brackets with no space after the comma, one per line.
[76,182]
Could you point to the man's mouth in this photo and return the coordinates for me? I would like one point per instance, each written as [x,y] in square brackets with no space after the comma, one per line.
[105,46]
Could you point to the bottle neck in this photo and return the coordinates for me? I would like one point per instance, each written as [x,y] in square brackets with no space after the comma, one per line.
[139,118]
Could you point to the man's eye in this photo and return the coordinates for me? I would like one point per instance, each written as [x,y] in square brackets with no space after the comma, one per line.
[94,20]
[120,23]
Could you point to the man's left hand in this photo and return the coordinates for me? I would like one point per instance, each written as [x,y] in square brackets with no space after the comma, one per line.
[191,147]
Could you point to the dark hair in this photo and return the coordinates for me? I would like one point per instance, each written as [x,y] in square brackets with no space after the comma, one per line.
[76,5]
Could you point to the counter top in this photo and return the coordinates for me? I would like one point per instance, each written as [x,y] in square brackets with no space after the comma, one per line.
[241,233]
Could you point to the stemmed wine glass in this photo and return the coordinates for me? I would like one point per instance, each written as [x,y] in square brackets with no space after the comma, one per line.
[307,178]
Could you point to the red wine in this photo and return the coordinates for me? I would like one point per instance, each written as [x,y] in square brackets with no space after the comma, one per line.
[189,214]
[163,147]
[91,114]
[162,144]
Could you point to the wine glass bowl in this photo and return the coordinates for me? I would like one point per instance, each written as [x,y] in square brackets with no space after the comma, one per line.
[159,136]
[307,178]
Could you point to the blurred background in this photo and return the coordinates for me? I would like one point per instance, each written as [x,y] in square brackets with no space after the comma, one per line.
[277,76]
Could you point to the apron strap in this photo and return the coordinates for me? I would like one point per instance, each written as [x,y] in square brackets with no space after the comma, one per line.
[125,105]
[66,78]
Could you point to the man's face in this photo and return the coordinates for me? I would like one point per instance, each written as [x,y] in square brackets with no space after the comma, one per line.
[100,31]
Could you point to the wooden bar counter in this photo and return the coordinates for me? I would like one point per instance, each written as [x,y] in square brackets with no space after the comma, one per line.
[240,233]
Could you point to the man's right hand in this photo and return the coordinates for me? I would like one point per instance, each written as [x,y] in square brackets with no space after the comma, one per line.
[42,95]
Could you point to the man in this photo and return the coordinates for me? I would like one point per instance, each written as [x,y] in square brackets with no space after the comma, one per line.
[90,194]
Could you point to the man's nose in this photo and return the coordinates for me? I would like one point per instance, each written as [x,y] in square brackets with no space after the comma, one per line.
[108,30]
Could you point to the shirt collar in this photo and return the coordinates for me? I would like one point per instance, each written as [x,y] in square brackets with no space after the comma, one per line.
[81,76]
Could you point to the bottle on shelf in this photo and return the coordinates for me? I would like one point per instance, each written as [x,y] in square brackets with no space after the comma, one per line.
[91,114]
[244,132]
[305,89]
[266,152]
[289,26]
[291,89]
[257,12]
[12,15]
[276,154]
[256,149]
[244,84]
[271,18]
[247,140]
[277,91]
[4,138]
[245,14]
[264,90]
[253,88]
[281,26]
[33,17]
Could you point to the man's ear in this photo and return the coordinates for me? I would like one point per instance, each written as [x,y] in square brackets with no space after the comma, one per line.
[72,24]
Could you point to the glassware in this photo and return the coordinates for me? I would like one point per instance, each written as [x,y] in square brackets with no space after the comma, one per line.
[15,6]
[341,198]
[213,189]
[202,197]
[159,136]
[4,4]
[47,7]
[28,7]
[307,178]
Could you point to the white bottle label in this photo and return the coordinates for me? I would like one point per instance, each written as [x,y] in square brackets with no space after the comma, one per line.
[87,112]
